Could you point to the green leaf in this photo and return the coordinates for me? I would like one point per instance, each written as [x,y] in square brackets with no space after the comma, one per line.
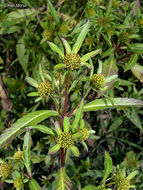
[67,46]
[132,175]
[74,150]
[54,149]
[108,165]
[41,72]
[90,187]
[87,56]
[56,49]
[18,16]
[32,82]
[9,30]
[77,116]
[80,38]
[132,62]
[109,7]
[53,12]
[66,124]
[23,57]
[43,129]
[110,67]
[33,185]
[136,47]
[100,67]
[111,78]
[33,94]
[108,52]
[137,70]
[63,181]
[133,116]
[101,104]
[27,150]
[107,40]
[19,127]
[60,66]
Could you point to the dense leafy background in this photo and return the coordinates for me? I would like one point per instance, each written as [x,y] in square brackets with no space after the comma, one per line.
[23,46]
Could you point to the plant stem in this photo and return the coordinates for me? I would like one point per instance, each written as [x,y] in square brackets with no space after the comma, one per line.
[66,96]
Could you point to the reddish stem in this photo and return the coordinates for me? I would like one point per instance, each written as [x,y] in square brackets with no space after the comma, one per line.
[66,96]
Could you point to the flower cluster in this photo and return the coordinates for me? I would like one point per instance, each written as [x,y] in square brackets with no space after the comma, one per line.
[5,169]
[18,155]
[72,61]
[98,80]
[65,140]
[44,89]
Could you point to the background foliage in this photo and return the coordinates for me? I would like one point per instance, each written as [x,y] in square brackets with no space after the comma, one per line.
[116,27]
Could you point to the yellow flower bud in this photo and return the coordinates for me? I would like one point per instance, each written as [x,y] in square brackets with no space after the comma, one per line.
[85,134]
[18,155]
[44,89]
[124,37]
[98,80]
[65,140]
[5,169]
[89,41]
[102,21]
[123,184]
[48,34]
[72,61]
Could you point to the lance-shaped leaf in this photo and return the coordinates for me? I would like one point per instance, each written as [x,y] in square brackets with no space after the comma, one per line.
[27,149]
[33,185]
[66,124]
[53,12]
[132,62]
[19,127]
[109,7]
[67,46]
[77,116]
[137,70]
[74,150]
[56,49]
[87,56]
[108,165]
[80,38]
[54,149]
[63,181]
[32,82]
[104,103]
[43,129]
[41,72]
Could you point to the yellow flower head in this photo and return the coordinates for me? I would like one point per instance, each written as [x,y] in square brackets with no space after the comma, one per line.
[44,89]
[72,61]
[18,155]
[123,184]
[85,134]
[5,169]
[65,140]
[124,37]
[98,80]
[48,34]
[102,21]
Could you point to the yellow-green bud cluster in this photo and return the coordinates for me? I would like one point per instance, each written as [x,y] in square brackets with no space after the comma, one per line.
[98,80]
[91,12]
[85,134]
[45,88]
[65,140]
[18,183]
[124,37]
[102,21]
[5,169]
[123,184]
[48,34]
[97,2]
[63,28]
[89,41]
[72,61]
[115,4]
[18,155]
[111,31]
